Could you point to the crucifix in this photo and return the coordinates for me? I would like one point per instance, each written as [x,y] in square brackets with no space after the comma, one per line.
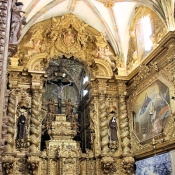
[60,86]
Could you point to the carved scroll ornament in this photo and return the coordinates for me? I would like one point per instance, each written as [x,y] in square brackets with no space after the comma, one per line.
[67,36]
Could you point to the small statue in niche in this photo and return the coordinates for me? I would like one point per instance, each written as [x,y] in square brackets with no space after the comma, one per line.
[69,110]
[113,129]
[21,131]
[113,139]
[16,22]
[51,107]
[69,107]
[74,123]
[23,110]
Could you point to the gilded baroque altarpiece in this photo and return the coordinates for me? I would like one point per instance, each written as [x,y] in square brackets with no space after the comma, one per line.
[111,100]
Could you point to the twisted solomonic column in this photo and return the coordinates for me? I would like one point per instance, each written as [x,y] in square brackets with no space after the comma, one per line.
[124,125]
[103,125]
[11,122]
[34,121]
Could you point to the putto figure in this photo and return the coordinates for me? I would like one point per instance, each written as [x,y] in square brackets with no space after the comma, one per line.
[69,38]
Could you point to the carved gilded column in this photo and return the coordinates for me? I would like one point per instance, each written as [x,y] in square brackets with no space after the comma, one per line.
[102,88]
[10,141]
[34,121]
[103,124]
[123,119]
[94,111]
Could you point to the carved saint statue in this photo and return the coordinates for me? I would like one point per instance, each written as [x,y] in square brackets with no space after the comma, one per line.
[51,106]
[21,131]
[16,22]
[113,129]
[74,123]
[69,107]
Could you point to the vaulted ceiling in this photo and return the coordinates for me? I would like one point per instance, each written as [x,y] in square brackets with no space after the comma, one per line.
[113,22]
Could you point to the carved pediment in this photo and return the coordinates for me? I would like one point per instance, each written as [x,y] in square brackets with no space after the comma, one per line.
[66,36]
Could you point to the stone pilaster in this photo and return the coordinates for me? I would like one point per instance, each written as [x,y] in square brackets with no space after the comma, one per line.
[5,14]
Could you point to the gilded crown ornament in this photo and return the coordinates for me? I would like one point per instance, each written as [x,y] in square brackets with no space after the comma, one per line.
[108,3]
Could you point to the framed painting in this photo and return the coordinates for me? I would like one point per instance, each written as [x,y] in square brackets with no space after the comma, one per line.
[151,111]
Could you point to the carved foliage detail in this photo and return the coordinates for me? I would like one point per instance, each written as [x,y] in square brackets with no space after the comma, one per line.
[108,165]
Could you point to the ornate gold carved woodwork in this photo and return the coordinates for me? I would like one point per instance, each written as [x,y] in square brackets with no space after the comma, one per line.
[95,126]
[123,119]
[61,128]
[20,165]
[37,62]
[35,120]
[33,164]
[13,79]
[172,63]
[8,164]
[158,31]
[102,69]
[108,165]
[108,3]
[66,35]
[22,143]
[17,104]
[11,121]
[91,130]
[144,71]
[37,80]
[83,167]
[63,151]
[127,165]
[90,165]
[44,166]
[103,125]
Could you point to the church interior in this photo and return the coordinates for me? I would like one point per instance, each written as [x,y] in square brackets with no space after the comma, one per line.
[87,87]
